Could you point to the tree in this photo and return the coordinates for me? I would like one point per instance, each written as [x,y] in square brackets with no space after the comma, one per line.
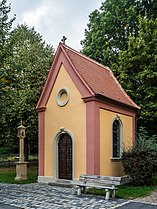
[109,28]
[138,73]
[26,69]
[115,37]
[5,27]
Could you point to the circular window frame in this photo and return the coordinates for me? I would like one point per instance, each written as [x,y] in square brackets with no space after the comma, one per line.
[58,97]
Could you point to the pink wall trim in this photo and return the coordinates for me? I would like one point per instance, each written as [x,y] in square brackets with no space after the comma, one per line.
[93,131]
[41,143]
[75,72]
[93,138]
[109,103]
[111,106]
[76,79]
[124,111]
[61,58]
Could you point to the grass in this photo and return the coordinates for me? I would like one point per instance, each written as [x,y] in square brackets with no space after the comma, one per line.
[129,192]
[7,175]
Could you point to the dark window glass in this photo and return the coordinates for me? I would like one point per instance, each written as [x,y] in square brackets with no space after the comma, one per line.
[116,139]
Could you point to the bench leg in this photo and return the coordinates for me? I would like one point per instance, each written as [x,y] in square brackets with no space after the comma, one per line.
[113,193]
[79,191]
[107,194]
[74,190]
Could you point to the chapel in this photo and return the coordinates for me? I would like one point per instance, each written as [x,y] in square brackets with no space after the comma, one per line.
[84,119]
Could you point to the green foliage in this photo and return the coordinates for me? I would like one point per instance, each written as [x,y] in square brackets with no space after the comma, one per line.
[123,35]
[109,28]
[139,166]
[138,74]
[5,27]
[24,63]
[25,70]
[5,150]
[140,160]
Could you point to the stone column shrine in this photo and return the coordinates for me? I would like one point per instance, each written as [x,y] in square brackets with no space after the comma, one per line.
[21,165]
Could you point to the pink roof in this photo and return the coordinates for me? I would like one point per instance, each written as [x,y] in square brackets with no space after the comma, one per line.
[96,78]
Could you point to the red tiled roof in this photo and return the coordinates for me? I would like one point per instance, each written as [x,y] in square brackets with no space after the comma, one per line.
[99,78]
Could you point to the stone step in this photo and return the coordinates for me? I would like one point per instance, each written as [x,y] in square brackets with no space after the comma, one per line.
[61,183]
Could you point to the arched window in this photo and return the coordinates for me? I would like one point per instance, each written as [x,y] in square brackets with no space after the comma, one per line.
[116,139]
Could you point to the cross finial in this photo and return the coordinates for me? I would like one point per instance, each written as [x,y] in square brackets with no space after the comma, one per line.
[63,39]
[21,122]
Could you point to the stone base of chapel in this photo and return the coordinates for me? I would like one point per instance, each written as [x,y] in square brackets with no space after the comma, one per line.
[50,180]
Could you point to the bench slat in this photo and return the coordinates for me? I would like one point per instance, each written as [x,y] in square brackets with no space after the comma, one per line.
[103,182]
[110,178]
[96,186]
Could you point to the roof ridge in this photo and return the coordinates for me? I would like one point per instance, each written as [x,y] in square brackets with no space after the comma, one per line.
[86,57]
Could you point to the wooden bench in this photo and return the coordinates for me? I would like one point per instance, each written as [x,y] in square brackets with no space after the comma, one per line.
[108,183]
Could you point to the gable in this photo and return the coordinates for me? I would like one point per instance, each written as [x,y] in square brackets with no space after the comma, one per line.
[64,81]
[59,60]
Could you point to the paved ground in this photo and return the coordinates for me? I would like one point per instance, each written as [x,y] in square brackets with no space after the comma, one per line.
[41,196]
[137,205]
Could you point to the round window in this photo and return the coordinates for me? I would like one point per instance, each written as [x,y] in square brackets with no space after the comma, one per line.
[62,97]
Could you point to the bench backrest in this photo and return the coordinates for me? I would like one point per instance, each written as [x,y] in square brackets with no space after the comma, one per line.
[106,180]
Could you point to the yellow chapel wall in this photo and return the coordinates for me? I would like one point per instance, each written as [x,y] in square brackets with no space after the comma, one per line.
[109,166]
[72,117]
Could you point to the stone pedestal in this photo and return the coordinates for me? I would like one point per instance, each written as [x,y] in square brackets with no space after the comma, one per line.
[21,170]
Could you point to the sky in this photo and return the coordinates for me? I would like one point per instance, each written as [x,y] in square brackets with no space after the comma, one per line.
[54,19]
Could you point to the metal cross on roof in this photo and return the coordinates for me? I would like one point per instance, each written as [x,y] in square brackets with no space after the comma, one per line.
[63,39]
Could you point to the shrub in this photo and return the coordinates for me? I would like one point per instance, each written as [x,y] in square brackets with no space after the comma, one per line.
[4,150]
[140,160]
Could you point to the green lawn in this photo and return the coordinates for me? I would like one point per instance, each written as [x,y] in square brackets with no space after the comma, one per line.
[7,175]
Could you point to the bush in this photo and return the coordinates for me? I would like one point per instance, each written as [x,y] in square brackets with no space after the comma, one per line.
[140,160]
[5,150]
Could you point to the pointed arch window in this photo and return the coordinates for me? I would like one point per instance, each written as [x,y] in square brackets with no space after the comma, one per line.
[116,138]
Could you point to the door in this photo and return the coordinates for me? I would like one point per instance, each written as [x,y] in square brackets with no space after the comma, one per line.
[65,157]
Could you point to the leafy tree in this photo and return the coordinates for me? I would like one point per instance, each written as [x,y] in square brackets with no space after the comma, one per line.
[138,73]
[5,27]
[109,28]
[26,69]
[116,38]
